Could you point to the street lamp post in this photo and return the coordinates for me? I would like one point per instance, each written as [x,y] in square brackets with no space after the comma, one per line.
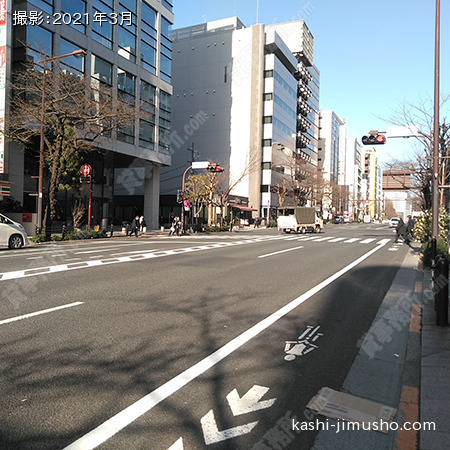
[44,62]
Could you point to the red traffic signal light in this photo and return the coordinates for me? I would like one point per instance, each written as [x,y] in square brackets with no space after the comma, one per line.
[374,139]
[215,168]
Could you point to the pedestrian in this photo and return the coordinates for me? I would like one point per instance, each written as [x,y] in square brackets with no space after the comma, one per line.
[400,230]
[135,226]
[409,232]
[175,228]
[142,224]
[257,222]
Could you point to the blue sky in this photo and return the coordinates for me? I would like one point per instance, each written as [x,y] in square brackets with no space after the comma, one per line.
[374,56]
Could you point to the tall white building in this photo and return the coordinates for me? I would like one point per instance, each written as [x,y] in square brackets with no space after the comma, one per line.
[330,144]
[241,94]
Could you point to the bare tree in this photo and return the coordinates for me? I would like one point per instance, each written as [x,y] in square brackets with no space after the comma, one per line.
[421,164]
[80,114]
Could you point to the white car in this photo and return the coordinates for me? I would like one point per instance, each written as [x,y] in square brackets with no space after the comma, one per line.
[394,222]
[12,234]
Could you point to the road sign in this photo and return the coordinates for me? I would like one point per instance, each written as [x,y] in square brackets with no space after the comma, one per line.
[200,164]
[86,170]
[403,132]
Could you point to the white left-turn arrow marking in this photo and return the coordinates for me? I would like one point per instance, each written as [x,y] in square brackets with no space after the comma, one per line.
[177,445]
[250,401]
[212,434]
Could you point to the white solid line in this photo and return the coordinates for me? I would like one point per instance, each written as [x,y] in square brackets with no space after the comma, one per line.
[38,313]
[281,251]
[35,257]
[118,422]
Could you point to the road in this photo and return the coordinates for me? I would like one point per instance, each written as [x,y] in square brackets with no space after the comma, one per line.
[194,342]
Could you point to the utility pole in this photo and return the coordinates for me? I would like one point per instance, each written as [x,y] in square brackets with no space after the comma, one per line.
[436,133]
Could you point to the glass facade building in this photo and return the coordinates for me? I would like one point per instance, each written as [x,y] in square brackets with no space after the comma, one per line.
[128,45]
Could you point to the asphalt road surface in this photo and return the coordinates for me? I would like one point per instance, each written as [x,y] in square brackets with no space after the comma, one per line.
[197,342]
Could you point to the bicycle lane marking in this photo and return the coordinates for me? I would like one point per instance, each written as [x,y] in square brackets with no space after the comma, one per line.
[124,418]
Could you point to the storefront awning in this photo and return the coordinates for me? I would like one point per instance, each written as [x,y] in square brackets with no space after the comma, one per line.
[241,207]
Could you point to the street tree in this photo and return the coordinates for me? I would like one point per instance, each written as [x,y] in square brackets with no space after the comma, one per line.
[81,114]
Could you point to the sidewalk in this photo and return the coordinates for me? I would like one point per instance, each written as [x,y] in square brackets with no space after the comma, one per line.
[403,362]
[435,374]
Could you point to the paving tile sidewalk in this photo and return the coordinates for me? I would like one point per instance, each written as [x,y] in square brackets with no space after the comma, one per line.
[435,375]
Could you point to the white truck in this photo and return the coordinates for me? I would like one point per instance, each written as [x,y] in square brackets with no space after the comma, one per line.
[300,219]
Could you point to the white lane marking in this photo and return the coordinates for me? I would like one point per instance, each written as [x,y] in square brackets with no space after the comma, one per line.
[324,239]
[122,419]
[35,257]
[281,251]
[142,255]
[337,239]
[350,241]
[135,251]
[367,241]
[38,313]
[250,401]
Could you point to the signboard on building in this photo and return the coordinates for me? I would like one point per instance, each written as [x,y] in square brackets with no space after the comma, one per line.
[5,189]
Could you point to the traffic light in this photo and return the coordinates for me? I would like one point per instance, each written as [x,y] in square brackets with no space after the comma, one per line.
[214,167]
[373,139]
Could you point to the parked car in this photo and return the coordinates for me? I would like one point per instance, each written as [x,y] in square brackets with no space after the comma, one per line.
[393,222]
[12,234]
[338,219]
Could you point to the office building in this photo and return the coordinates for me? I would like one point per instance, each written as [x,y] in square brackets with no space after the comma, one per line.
[244,97]
[128,45]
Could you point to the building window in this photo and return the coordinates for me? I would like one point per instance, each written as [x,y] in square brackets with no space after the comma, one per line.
[101,70]
[102,31]
[264,188]
[267,142]
[127,31]
[268,97]
[45,5]
[146,134]
[166,50]
[148,97]
[164,121]
[126,86]
[267,119]
[127,44]
[268,73]
[39,42]
[71,63]
[75,9]
[266,165]
[168,5]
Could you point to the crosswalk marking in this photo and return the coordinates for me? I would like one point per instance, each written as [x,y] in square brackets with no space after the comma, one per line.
[338,239]
[350,241]
[367,241]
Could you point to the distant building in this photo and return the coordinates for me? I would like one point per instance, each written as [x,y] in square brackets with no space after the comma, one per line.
[241,96]
[397,188]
